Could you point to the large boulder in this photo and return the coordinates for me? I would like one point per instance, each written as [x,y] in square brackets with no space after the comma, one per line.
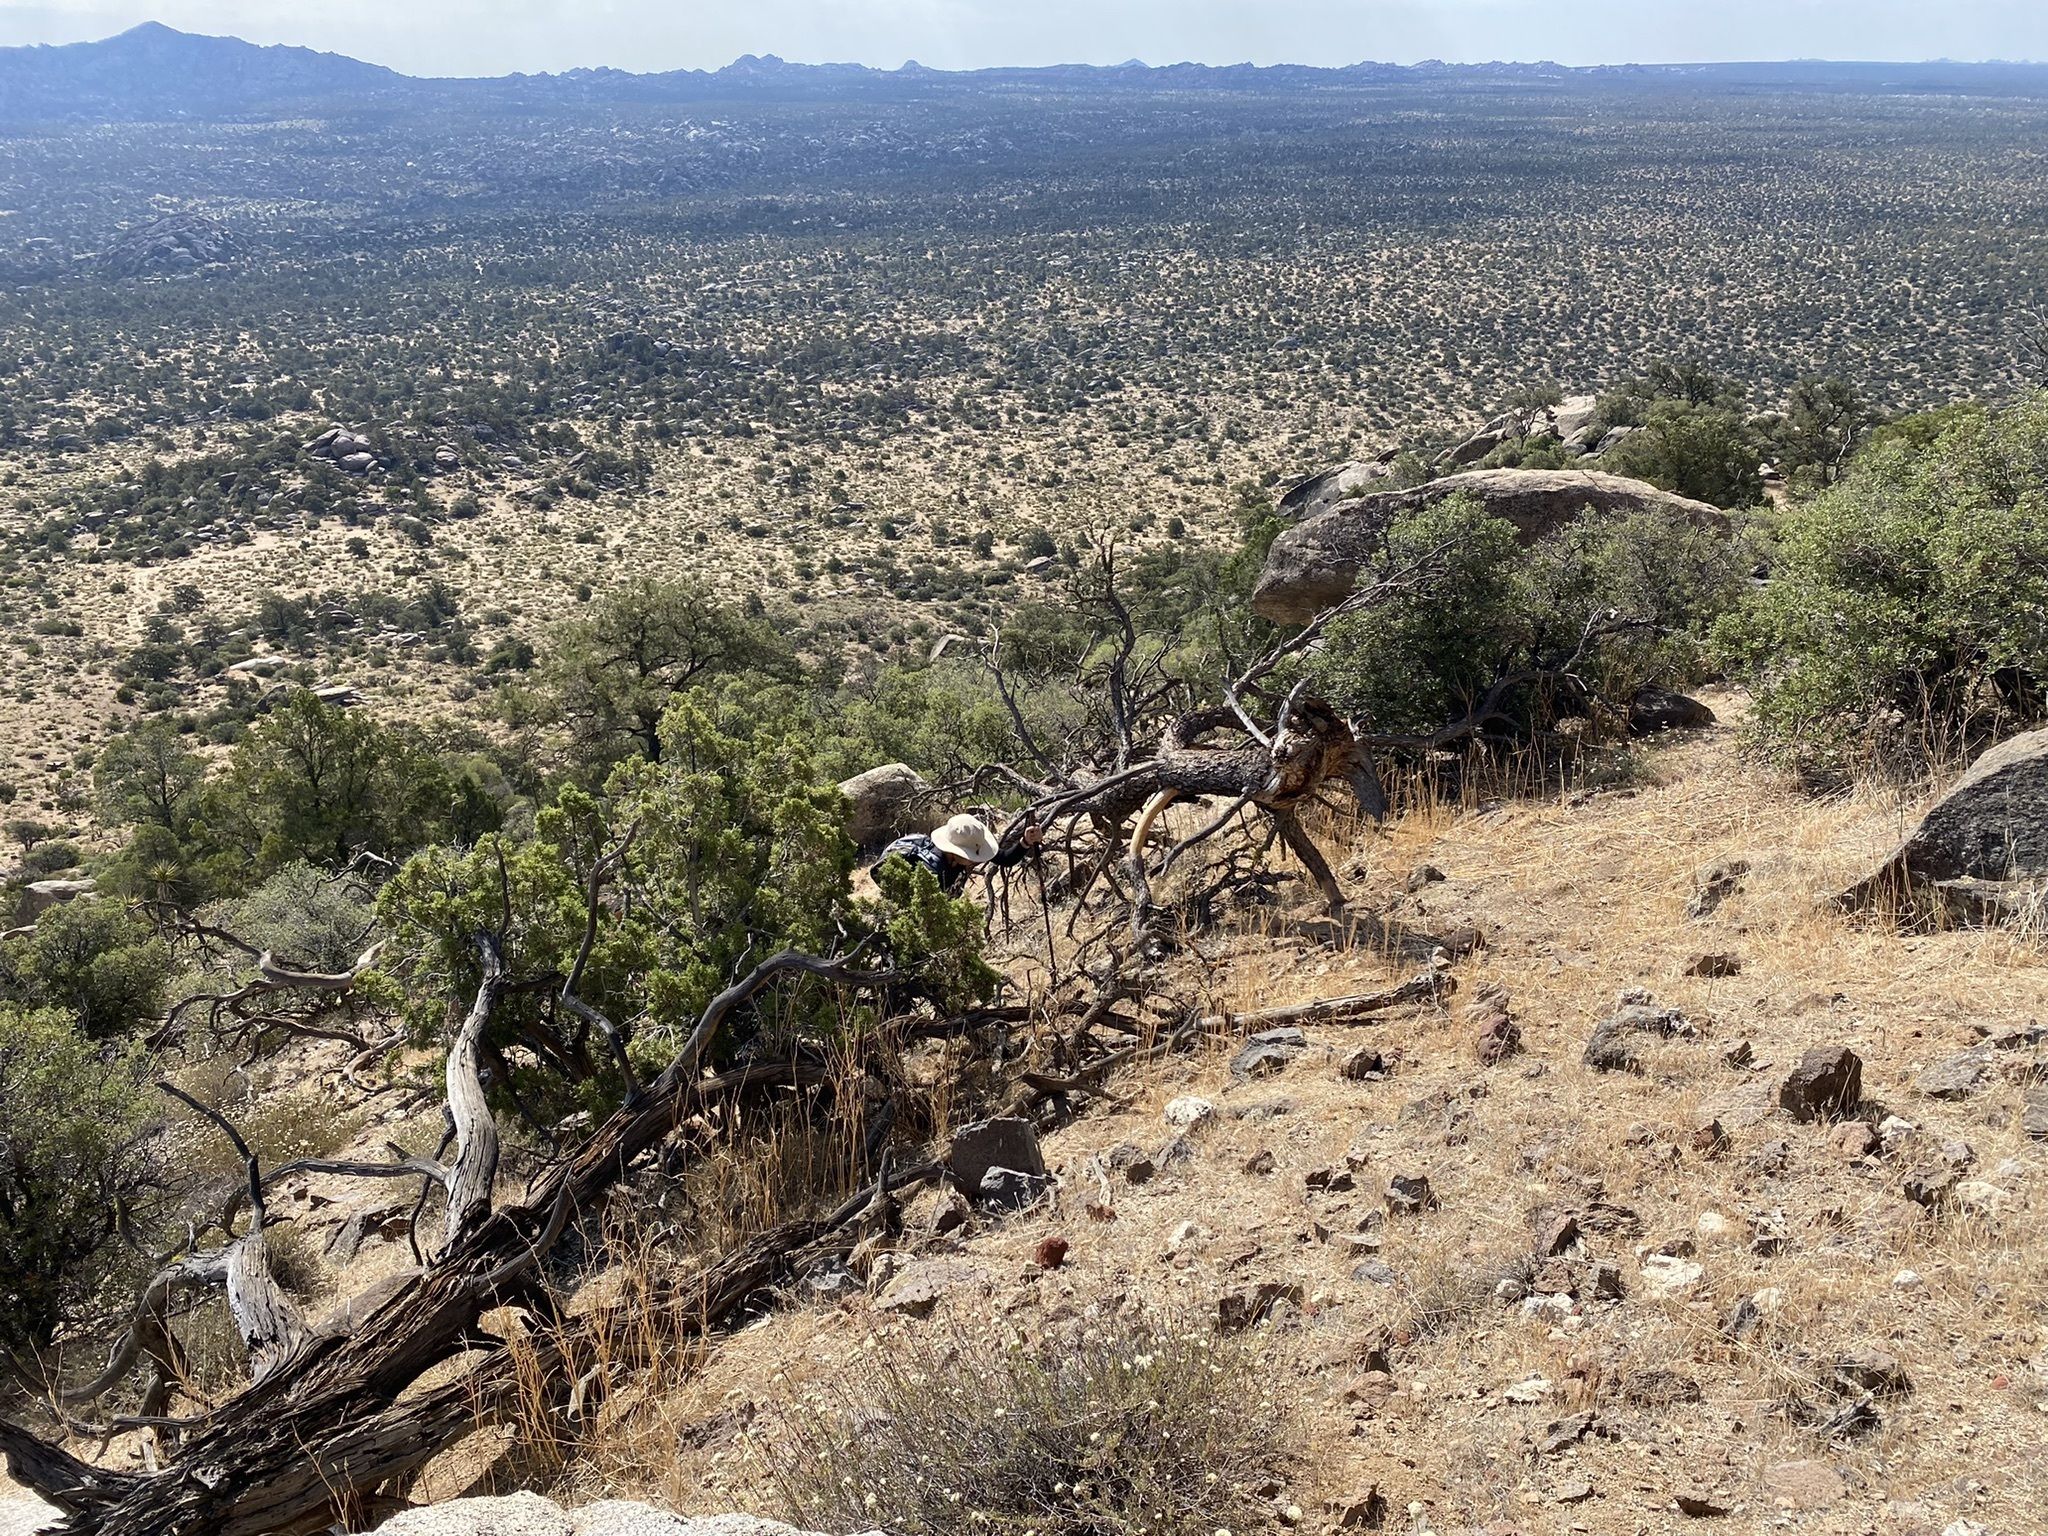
[1321,491]
[888,802]
[1316,562]
[1979,845]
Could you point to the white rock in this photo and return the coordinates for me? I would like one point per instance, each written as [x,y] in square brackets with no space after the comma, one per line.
[1667,1275]
[1907,1279]
[1186,1235]
[1768,1300]
[1980,1197]
[518,1514]
[1187,1112]
[1531,1389]
[1713,1226]
[1894,1128]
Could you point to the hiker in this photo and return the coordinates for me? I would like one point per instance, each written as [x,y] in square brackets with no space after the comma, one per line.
[963,845]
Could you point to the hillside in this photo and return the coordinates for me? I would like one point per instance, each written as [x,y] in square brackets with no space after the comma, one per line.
[1676,1350]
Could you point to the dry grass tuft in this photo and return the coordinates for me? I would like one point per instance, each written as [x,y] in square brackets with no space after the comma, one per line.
[1131,1424]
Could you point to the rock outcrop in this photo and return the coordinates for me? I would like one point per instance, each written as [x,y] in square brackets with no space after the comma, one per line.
[178,242]
[1982,848]
[1316,562]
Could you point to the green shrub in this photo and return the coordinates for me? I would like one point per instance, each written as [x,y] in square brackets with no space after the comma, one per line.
[310,918]
[1906,619]
[94,962]
[73,1162]
[1126,1426]
[1499,610]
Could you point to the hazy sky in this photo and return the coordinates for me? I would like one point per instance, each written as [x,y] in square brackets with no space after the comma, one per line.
[496,36]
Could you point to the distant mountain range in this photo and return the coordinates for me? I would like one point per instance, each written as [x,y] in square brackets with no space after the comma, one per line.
[155,73]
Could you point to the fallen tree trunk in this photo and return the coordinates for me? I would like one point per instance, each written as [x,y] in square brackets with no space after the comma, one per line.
[1431,986]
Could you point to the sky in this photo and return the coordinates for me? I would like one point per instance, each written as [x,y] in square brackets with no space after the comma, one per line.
[483,37]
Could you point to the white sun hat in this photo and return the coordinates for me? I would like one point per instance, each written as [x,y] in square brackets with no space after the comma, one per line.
[966,838]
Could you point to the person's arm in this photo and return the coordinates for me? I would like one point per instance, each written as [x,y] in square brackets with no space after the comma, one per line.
[1024,846]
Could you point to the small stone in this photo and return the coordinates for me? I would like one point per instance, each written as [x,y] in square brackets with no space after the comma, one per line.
[1604,1282]
[1709,1139]
[1260,1163]
[1713,1227]
[1738,1054]
[2034,1115]
[1958,1077]
[1008,1142]
[1184,1114]
[1742,1320]
[1531,1389]
[1421,875]
[1667,1275]
[1659,1388]
[1246,1305]
[1358,1511]
[1559,1235]
[1851,1421]
[1012,1189]
[1979,1197]
[1714,966]
[1334,1179]
[1772,1157]
[1362,1064]
[1050,1253]
[1130,1161]
[1409,1194]
[1562,1434]
[1872,1371]
[1854,1139]
[1268,1052]
[1573,1491]
[1374,1272]
[1702,1506]
[1929,1188]
[1496,1039]
[1907,1280]
[1714,885]
[1827,1084]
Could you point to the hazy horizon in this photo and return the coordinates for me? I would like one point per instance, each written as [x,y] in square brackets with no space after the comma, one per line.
[476,37]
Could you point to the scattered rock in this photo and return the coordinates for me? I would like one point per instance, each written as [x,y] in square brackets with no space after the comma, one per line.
[1050,1253]
[1129,1160]
[1260,1163]
[1957,1077]
[1409,1194]
[1562,1434]
[1604,1282]
[917,1290]
[1714,966]
[1742,1320]
[1714,885]
[1496,1037]
[1184,1114]
[1245,1305]
[1374,1272]
[1008,1142]
[1851,1420]
[1012,1189]
[1531,1389]
[1854,1139]
[1668,1275]
[1872,1371]
[1362,1064]
[1827,1084]
[1334,1179]
[1612,1047]
[2034,1115]
[1739,1055]
[1708,1138]
[1929,1188]
[1423,875]
[1268,1052]
[1574,1490]
[1980,1198]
